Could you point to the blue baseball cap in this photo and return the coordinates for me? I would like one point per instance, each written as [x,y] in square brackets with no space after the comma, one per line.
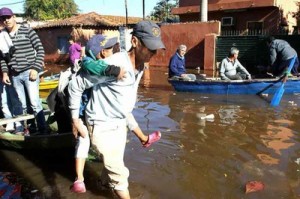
[99,42]
[150,34]
[6,12]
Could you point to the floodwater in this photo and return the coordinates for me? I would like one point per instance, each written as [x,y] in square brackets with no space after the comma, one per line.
[203,159]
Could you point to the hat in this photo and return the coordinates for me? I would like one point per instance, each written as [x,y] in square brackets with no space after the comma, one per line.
[99,42]
[149,33]
[6,12]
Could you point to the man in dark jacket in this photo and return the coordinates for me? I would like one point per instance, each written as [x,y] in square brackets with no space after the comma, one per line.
[177,65]
[281,54]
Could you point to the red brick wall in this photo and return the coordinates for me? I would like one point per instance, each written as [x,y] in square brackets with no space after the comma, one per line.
[190,34]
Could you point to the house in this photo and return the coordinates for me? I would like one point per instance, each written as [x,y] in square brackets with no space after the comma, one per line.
[244,16]
[242,23]
[54,34]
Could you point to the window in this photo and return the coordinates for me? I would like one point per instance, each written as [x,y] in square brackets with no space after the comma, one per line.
[227,21]
[63,44]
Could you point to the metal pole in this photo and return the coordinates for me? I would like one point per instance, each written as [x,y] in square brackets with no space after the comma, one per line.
[204,10]
[126,12]
[143,9]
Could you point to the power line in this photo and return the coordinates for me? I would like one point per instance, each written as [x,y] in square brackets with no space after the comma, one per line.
[8,4]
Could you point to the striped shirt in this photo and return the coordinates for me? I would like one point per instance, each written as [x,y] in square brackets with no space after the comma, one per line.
[29,53]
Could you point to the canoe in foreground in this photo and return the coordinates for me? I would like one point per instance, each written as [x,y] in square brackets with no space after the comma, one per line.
[217,86]
[39,142]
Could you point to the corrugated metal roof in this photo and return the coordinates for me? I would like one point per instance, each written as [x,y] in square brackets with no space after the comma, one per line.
[91,19]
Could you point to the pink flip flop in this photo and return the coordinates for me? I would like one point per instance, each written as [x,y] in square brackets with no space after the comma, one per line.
[153,137]
[78,187]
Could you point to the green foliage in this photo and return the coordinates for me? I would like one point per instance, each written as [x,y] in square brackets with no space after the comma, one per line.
[162,10]
[46,9]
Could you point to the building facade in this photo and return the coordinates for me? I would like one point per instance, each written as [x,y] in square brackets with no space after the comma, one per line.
[245,16]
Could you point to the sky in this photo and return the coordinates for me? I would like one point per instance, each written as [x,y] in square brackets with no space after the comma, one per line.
[104,7]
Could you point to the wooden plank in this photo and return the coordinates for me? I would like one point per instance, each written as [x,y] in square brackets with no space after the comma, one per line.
[20,118]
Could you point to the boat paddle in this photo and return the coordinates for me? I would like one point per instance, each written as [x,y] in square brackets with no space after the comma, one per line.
[278,94]
[269,86]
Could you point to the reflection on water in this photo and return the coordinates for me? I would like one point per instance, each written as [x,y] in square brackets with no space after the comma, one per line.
[197,158]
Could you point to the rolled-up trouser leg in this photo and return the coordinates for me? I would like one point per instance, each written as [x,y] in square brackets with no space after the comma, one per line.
[110,140]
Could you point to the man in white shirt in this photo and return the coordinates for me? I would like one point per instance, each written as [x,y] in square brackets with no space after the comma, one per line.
[111,101]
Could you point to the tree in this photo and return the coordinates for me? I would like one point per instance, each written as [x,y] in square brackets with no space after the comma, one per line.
[297,14]
[46,10]
[162,10]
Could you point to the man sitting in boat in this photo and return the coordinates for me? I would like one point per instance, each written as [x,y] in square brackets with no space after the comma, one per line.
[177,65]
[232,69]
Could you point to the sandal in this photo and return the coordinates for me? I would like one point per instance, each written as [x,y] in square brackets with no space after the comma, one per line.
[153,137]
[78,187]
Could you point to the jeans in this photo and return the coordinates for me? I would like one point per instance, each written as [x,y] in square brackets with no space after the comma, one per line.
[29,90]
[10,106]
[279,67]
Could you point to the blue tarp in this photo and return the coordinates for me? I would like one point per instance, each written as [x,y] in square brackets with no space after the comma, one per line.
[9,189]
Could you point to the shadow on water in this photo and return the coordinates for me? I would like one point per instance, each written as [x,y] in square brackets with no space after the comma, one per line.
[51,172]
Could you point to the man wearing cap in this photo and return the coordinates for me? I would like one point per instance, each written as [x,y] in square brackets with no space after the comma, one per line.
[111,101]
[25,64]
[8,98]
[97,48]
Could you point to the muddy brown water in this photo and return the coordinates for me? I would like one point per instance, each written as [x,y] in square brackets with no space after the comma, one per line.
[211,159]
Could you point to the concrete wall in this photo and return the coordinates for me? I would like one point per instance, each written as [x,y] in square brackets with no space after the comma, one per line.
[191,34]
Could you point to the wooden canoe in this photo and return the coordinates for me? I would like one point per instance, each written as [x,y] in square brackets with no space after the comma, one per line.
[39,142]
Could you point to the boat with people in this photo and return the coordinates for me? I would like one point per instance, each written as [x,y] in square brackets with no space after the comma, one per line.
[252,87]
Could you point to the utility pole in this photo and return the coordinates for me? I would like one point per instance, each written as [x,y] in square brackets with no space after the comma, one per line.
[126,10]
[203,10]
[143,9]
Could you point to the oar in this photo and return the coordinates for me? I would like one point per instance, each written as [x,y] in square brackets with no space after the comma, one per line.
[278,94]
[270,85]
